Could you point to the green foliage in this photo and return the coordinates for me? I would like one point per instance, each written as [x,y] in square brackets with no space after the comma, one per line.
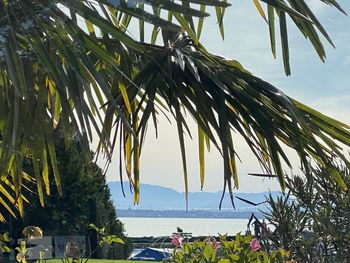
[104,238]
[4,239]
[288,219]
[101,261]
[240,250]
[30,233]
[86,198]
[33,232]
[22,249]
[318,213]
[327,207]
[101,79]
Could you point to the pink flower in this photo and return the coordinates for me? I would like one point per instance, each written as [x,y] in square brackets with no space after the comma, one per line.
[216,244]
[254,244]
[176,240]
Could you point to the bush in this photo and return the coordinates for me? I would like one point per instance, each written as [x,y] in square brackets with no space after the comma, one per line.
[242,249]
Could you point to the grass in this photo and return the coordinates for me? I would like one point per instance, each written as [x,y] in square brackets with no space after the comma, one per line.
[102,261]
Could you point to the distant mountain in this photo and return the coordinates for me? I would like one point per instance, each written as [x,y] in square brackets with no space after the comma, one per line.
[154,197]
[214,213]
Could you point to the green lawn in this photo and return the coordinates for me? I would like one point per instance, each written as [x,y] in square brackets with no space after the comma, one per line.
[104,261]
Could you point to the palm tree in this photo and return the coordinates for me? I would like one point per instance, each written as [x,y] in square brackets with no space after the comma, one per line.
[75,63]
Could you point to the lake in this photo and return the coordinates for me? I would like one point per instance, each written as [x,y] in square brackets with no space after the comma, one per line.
[140,226]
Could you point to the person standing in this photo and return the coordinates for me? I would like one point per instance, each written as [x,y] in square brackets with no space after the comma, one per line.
[257,226]
[320,249]
[263,229]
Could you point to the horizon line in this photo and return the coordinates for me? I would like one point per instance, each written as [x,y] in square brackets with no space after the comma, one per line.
[182,192]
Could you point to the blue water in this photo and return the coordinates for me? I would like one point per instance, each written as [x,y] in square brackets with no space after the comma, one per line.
[139,227]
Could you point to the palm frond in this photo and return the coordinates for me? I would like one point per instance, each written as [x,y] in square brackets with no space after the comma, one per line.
[75,63]
[263,115]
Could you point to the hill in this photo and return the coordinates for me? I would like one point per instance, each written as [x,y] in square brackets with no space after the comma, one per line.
[154,197]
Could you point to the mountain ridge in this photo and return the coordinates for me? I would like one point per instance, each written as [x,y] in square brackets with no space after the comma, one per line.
[155,197]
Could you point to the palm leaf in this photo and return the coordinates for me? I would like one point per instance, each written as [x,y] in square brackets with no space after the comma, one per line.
[75,63]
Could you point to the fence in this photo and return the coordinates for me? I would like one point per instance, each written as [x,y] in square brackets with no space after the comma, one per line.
[48,247]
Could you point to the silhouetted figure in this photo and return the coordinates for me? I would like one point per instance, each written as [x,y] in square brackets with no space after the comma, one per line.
[320,248]
[257,226]
[264,230]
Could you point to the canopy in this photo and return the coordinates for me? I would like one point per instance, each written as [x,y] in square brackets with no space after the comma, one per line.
[150,253]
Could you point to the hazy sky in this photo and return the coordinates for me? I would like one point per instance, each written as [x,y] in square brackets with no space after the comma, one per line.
[322,86]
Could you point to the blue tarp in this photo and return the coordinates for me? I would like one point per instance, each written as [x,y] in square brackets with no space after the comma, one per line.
[149,253]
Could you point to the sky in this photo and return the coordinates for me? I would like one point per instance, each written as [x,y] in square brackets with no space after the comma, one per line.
[324,86]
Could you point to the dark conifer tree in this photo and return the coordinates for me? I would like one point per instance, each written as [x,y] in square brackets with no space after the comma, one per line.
[86,199]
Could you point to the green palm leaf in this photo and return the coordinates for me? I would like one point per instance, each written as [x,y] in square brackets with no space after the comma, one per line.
[74,63]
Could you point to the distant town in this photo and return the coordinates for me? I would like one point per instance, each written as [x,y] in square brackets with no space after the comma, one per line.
[187,214]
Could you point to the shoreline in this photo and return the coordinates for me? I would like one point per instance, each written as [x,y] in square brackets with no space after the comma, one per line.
[209,214]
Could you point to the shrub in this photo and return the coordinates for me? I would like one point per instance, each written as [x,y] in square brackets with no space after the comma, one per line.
[242,249]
